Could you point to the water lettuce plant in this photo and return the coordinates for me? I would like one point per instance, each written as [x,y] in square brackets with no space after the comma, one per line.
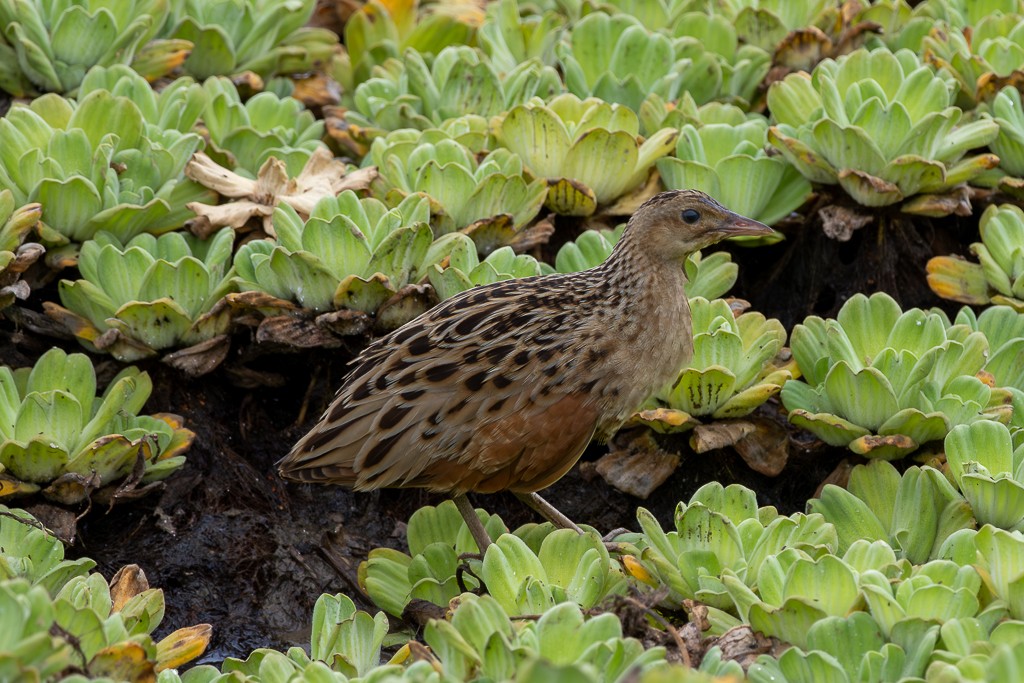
[407,93]
[148,294]
[718,63]
[482,641]
[721,537]
[60,437]
[378,31]
[30,553]
[512,34]
[568,567]
[734,368]
[1008,144]
[998,555]
[849,648]
[232,36]
[48,46]
[345,644]
[58,618]
[915,514]
[998,278]
[176,106]
[982,60]
[777,25]
[487,196]
[465,269]
[97,164]
[617,59]
[989,471]
[525,572]
[437,537]
[1003,327]
[589,152]
[882,382]
[351,253]
[243,135]
[881,125]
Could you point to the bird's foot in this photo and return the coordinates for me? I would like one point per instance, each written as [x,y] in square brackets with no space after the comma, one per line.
[614,533]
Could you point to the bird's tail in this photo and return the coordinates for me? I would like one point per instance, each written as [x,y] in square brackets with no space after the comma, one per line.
[314,460]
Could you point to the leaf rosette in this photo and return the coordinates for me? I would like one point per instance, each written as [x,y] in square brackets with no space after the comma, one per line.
[481,640]
[998,278]
[97,165]
[491,199]
[407,93]
[589,152]
[49,46]
[243,135]
[1004,328]
[621,60]
[982,63]
[378,31]
[33,554]
[149,294]
[989,471]
[734,367]
[917,514]
[881,125]
[465,269]
[999,557]
[59,436]
[232,36]
[897,637]
[1009,144]
[353,254]
[89,626]
[436,537]
[177,106]
[721,540]
[511,35]
[882,382]
[16,254]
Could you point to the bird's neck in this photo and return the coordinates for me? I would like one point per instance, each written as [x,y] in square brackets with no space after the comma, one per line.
[632,266]
[644,322]
[646,292]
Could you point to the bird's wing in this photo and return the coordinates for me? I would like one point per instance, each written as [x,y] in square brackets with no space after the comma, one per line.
[472,395]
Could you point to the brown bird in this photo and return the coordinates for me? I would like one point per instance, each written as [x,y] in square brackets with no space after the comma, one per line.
[501,387]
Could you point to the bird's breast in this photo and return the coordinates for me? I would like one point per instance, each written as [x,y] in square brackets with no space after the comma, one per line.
[637,351]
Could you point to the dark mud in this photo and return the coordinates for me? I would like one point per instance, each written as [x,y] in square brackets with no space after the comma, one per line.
[234,546]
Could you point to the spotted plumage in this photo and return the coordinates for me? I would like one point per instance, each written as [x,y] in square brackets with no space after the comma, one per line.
[503,386]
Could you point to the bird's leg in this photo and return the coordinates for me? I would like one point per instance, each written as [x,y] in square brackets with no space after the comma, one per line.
[472,521]
[548,511]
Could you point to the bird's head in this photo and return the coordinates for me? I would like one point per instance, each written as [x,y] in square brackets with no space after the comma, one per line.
[679,222]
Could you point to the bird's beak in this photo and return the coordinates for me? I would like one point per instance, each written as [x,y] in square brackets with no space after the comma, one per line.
[735,224]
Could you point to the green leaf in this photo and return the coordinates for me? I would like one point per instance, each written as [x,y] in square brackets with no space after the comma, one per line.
[40,460]
[865,398]
[539,138]
[852,517]
[158,324]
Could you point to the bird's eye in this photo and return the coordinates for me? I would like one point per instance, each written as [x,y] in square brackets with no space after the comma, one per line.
[691,216]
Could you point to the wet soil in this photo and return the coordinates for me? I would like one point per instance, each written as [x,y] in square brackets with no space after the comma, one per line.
[234,546]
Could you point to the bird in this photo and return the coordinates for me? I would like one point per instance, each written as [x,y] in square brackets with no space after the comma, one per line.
[503,386]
